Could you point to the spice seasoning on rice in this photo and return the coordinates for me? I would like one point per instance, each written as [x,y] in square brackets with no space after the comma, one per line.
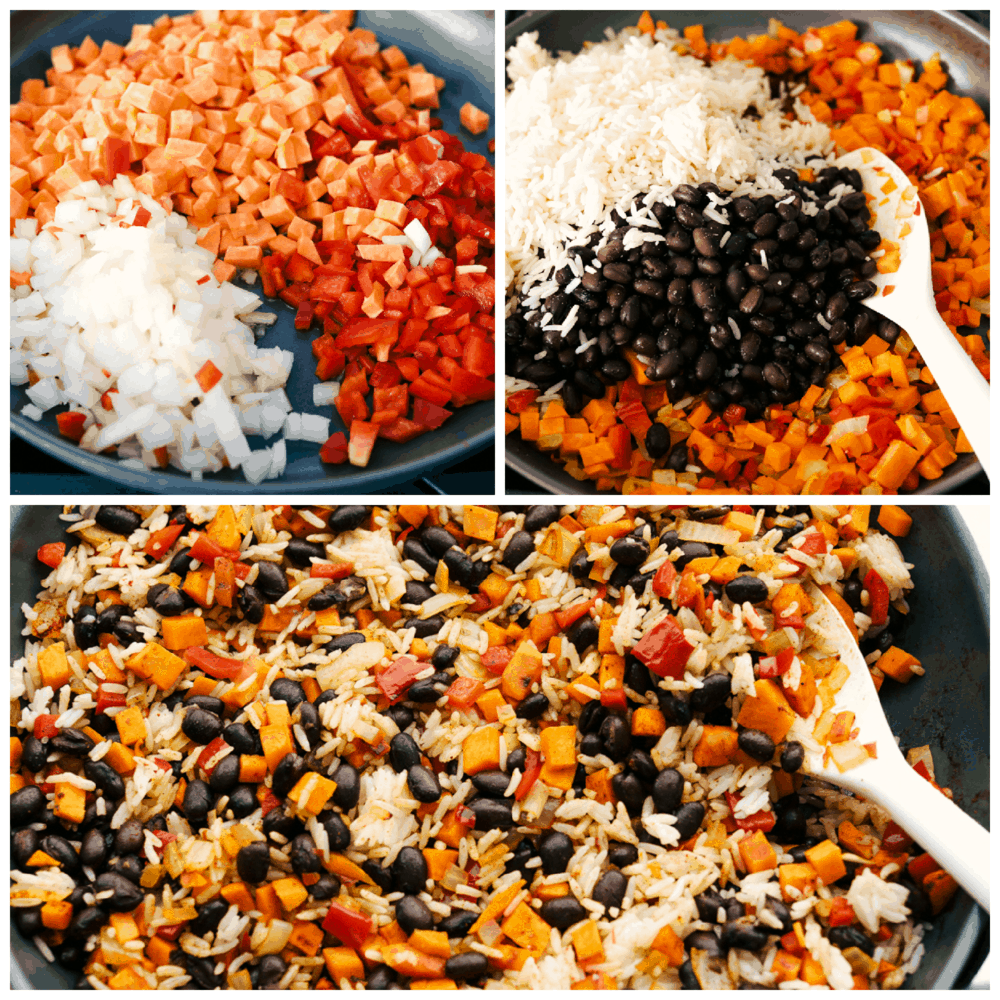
[585,774]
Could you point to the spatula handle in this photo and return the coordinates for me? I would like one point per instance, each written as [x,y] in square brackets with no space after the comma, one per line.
[953,838]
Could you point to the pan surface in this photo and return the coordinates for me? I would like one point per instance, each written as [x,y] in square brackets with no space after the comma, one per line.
[965,51]
[459,47]
[948,708]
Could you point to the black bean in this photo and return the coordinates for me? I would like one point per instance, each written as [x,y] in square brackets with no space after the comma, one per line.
[33,754]
[413,549]
[347,517]
[28,920]
[253,862]
[493,814]
[299,552]
[715,689]
[125,894]
[492,784]
[563,912]
[692,550]
[87,921]
[592,717]
[24,843]
[757,744]
[619,273]
[278,821]
[657,441]
[615,369]
[106,778]
[462,569]
[413,914]
[861,290]
[610,889]
[271,969]
[752,300]
[348,789]
[226,774]
[326,887]
[401,715]
[202,971]
[615,736]
[776,376]
[198,799]
[109,618]
[409,871]
[629,791]
[344,641]
[555,849]
[793,756]
[181,562]
[746,588]
[667,790]
[436,540]
[444,656]
[290,768]
[337,831]
[243,739]
[271,580]
[165,600]
[643,765]
[120,520]
[689,818]
[851,937]
[589,384]
[429,689]
[738,934]
[709,903]
[423,783]
[129,838]
[521,545]
[630,551]
[622,854]
[403,752]
[130,867]
[26,805]
[425,627]
[456,925]
[540,516]
[782,912]
[610,251]
[200,726]
[467,965]
[533,706]
[583,633]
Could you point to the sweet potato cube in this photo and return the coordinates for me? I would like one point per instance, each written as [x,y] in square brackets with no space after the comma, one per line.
[312,792]
[526,928]
[558,744]
[53,665]
[277,743]
[523,670]
[768,710]
[757,853]
[828,861]
[587,942]
[70,802]
[481,751]
[716,747]
[797,881]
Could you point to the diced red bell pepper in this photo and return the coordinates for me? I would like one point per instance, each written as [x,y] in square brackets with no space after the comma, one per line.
[141,217]
[170,932]
[45,726]
[385,376]
[305,315]
[635,418]
[207,376]
[396,679]
[813,544]
[205,550]
[425,389]
[331,571]
[269,802]
[518,402]
[108,699]
[763,819]
[776,666]
[664,650]
[350,927]
[895,840]
[161,541]
[210,751]
[620,439]
[334,450]
[568,616]
[464,691]
[532,769]
[219,667]
[496,658]
[664,579]
[878,593]
[401,430]
[429,414]
[116,158]
[71,424]
[51,553]
[362,440]
[841,912]
[614,698]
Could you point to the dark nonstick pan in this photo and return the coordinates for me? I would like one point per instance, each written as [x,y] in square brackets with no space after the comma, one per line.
[948,708]
[965,51]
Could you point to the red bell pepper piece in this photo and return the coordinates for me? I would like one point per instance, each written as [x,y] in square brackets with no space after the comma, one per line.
[205,550]
[207,376]
[568,616]
[496,658]
[218,667]
[813,544]
[170,932]
[775,666]
[331,571]
[45,725]
[428,414]
[106,700]
[763,819]
[401,430]
[841,912]
[269,802]
[141,217]
[396,679]
[895,840]
[614,698]
[71,424]
[878,593]
[532,769]
[664,580]
[362,440]
[664,650]
[335,449]
[51,553]
[620,439]
[351,927]
[210,751]
[518,402]
[160,542]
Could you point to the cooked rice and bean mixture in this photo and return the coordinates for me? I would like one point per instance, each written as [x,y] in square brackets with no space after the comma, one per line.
[436,747]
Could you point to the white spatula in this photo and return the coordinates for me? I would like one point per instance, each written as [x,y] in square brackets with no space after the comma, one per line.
[910,303]
[953,838]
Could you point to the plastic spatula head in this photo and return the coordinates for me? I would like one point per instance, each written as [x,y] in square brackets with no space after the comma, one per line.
[906,295]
